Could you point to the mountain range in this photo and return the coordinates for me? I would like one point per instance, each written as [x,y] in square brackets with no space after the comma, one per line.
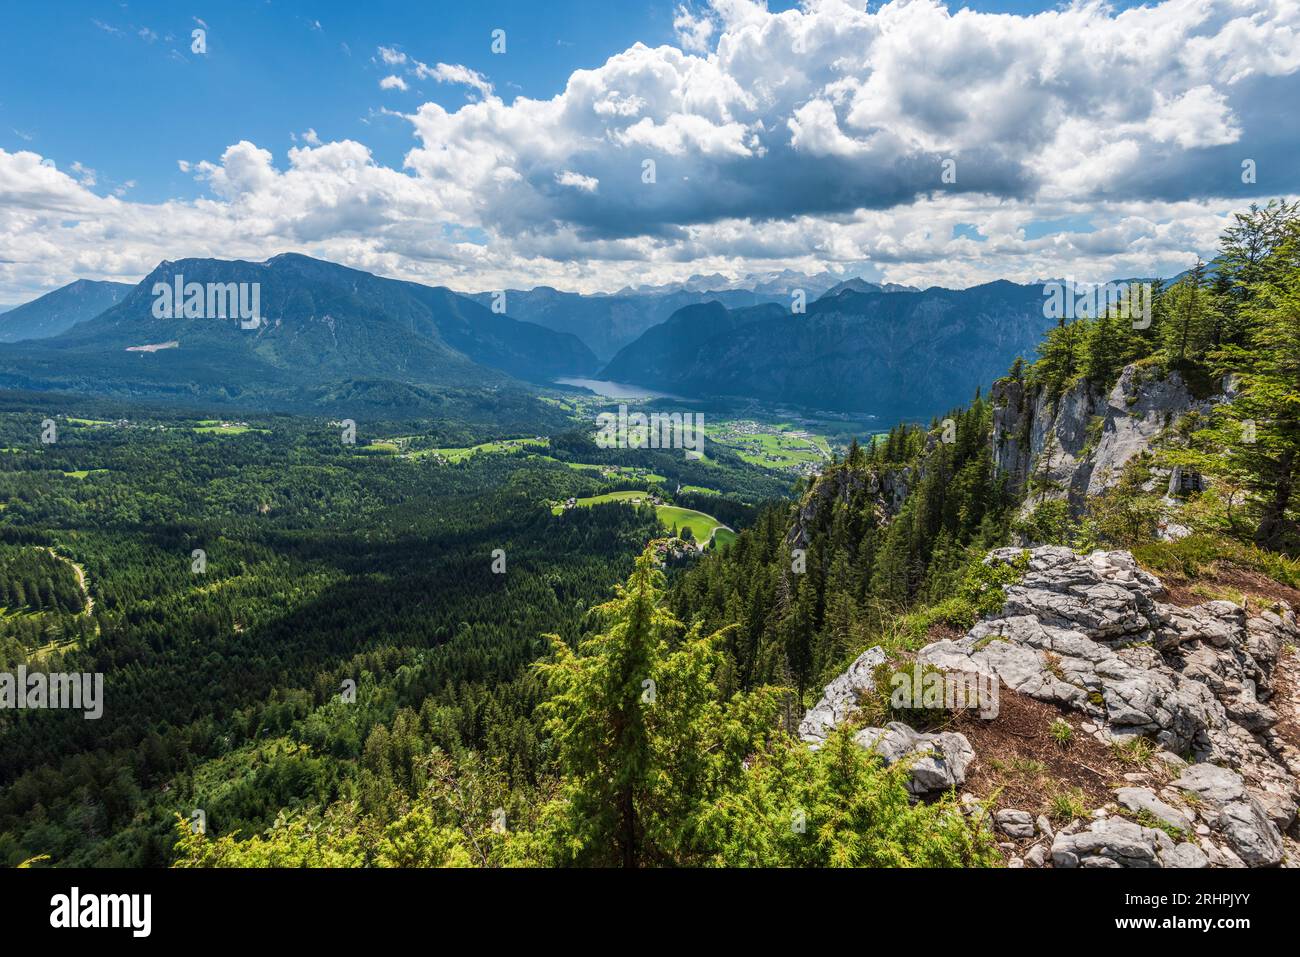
[324,326]
[774,284]
[332,336]
[60,310]
[608,322]
[857,284]
[903,354]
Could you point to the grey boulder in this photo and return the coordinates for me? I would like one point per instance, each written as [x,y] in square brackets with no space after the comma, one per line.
[840,698]
[1017,824]
[1234,812]
[1144,799]
[937,761]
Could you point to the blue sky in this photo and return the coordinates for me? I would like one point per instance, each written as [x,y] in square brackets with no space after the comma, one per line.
[275,68]
[1095,140]
[271,69]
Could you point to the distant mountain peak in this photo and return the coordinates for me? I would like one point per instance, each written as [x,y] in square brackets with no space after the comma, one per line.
[908,354]
[324,324]
[60,310]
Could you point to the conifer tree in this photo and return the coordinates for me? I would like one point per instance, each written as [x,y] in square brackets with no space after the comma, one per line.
[643,738]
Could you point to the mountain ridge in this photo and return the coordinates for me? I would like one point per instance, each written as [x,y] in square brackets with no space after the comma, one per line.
[607,322]
[892,354]
[60,309]
[323,324]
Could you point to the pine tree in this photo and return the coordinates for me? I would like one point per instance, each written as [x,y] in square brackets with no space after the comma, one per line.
[1042,482]
[1252,443]
[1266,414]
[643,738]
[1248,245]
[1060,356]
[1187,328]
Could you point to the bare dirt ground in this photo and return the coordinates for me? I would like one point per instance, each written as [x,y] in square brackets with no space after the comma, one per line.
[1231,581]
[1019,763]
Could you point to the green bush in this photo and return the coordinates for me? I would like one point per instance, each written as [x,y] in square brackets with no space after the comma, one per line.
[1048,524]
[876,709]
[838,807]
[982,585]
[1194,555]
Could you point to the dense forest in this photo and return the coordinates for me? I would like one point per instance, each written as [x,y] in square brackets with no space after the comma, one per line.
[347,681]
[321,563]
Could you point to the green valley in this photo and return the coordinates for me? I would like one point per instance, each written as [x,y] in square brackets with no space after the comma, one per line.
[702,529]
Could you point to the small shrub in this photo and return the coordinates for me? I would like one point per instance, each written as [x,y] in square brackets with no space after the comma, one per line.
[957,611]
[979,595]
[1048,524]
[1052,662]
[876,708]
[1125,515]
[1147,819]
[1136,752]
[1064,806]
[983,582]
[1062,732]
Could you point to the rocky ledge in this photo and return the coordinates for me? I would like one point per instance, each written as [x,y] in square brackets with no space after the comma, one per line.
[1090,634]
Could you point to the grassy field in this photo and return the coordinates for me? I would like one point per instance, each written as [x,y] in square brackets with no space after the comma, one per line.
[774,446]
[702,526]
[452,456]
[618,471]
[632,498]
[82,473]
[217,427]
[722,537]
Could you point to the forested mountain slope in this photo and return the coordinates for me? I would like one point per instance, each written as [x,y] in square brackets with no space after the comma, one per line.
[61,309]
[323,326]
[891,354]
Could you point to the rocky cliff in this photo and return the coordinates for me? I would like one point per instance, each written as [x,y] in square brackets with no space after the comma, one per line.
[1070,448]
[1208,691]
[886,490]
[1076,445]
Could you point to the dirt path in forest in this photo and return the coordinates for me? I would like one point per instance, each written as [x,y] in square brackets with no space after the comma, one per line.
[81,580]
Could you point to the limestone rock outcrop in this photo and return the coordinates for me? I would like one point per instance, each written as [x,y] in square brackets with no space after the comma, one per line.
[840,698]
[1078,443]
[1093,634]
[938,762]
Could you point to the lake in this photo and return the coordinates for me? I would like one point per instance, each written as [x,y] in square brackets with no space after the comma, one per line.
[617,390]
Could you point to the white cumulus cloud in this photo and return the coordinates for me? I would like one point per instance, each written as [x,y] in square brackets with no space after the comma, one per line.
[806,138]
